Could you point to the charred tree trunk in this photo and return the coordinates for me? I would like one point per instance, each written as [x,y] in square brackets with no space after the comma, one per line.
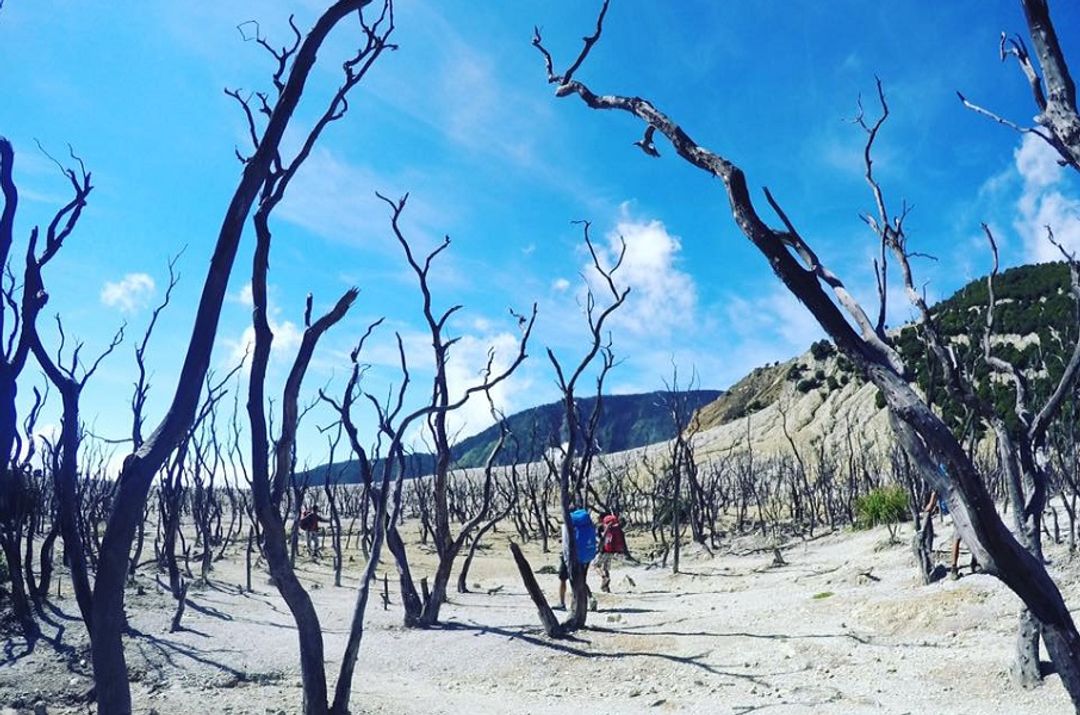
[922,544]
[552,627]
[21,604]
[110,670]
[463,576]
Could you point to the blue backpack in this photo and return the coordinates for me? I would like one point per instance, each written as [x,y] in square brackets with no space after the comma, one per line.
[584,535]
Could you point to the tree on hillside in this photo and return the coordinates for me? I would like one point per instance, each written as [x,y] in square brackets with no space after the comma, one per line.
[925,437]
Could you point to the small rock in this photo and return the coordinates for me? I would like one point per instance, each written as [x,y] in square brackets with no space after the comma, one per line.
[40,709]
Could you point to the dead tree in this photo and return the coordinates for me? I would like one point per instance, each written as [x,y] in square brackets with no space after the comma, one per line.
[69,383]
[682,465]
[384,516]
[1057,124]
[383,477]
[293,67]
[140,393]
[1052,86]
[269,486]
[1023,450]
[447,546]
[170,509]
[331,489]
[40,502]
[269,482]
[924,436]
[18,331]
[572,470]
[508,493]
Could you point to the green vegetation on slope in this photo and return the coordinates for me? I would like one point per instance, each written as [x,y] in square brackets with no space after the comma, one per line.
[1034,322]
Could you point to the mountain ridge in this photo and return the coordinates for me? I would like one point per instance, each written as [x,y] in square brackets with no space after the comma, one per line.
[626,422]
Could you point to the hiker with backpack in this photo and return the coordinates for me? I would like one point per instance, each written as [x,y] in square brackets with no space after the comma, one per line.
[309,524]
[585,543]
[612,542]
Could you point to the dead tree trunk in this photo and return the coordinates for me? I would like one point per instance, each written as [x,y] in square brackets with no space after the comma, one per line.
[442,406]
[922,544]
[20,339]
[572,471]
[551,624]
[294,66]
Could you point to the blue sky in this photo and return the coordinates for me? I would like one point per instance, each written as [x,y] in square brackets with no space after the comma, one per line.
[462,118]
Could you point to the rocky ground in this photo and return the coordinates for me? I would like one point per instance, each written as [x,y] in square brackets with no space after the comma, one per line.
[842,628]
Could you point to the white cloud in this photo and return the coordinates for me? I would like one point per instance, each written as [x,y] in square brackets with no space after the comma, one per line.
[245,296]
[662,297]
[335,199]
[287,337]
[560,285]
[1045,201]
[1037,162]
[468,358]
[130,293]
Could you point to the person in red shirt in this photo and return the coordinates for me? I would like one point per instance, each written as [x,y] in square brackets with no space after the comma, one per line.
[612,542]
[309,523]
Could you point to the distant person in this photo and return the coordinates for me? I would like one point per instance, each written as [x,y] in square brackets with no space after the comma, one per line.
[309,523]
[585,542]
[937,503]
[612,542]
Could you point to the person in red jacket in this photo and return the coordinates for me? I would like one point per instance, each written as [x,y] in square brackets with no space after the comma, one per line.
[612,541]
[309,524]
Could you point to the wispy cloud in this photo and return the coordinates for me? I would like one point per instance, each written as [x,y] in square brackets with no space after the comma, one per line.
[469,100]
[1045,200]
[771,326]
[130,294]
[335,199]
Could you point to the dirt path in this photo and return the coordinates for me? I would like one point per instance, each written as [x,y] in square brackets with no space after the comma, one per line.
[843,628]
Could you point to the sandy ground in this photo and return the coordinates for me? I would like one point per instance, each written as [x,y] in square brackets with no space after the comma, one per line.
[730,635]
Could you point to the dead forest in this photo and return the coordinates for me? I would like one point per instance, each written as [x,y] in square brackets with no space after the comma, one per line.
[210,493]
